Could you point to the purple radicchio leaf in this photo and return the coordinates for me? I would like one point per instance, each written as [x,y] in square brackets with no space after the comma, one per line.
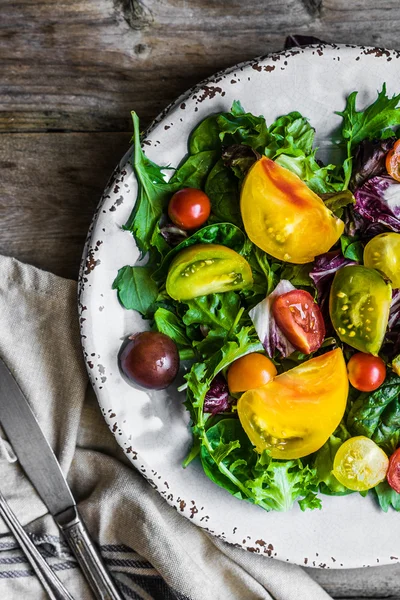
[217,398]
[394,314]
[323,272]
[265,325]
[369,160]
[378,202]
[172,234]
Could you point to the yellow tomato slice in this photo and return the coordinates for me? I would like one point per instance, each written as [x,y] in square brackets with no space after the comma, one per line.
[283,217]
[296,412]
[360,464]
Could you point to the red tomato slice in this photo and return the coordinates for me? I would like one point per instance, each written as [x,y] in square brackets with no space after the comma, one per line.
[393,161]
[393,474]
[300,319]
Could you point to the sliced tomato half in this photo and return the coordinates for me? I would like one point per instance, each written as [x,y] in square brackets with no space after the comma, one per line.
[300,319]
[393,474]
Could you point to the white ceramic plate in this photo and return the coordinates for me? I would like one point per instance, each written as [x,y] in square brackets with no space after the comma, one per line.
[152,428]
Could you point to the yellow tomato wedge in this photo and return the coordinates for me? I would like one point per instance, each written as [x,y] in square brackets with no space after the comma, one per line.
[296,412]
[283,217]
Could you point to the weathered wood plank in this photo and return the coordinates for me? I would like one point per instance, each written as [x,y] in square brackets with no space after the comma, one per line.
[375,583]
[51,184]
[81,66]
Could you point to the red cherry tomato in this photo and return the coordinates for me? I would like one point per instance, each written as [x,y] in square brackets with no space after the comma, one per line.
[366,372]
[300,319]
[393,161]
[189,208]
[393,474]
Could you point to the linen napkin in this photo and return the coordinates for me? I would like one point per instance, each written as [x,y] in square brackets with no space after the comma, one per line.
[152,552]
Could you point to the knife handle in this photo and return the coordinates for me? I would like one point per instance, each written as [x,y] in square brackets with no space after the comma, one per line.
[89,559]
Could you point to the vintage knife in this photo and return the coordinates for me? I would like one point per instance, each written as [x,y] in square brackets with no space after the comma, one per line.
[42,468]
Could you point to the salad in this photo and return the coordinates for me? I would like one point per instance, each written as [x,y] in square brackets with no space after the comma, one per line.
[272,282]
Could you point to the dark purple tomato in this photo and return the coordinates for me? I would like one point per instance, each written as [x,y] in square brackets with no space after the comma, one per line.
[150,359]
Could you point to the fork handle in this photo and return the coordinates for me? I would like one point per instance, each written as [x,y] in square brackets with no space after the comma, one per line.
[49,581]
[88,557]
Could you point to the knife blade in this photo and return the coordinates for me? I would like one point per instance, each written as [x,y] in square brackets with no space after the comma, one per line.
[42,468]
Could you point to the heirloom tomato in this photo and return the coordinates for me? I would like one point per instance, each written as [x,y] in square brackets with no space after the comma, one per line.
[250,371]
[383,253]
[296,412]
[283,217]
[360,464]
[207,269]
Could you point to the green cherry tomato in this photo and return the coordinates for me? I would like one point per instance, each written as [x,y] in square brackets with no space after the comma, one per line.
[359,306]
[383,253]
[207,269]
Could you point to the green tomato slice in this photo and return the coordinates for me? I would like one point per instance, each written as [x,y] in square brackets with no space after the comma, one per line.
[359,307]
[207,269]
[383,253]
[360,464]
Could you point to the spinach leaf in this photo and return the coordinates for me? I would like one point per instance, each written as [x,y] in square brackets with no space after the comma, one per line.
[376,121]
[219,233]
[205,136]
[298,275]
[194,170]
[377,414]
[216,311]
[387,497]
[354,250]
[223,190]
[337,201]
[135,288]
[168,323]
[152,196]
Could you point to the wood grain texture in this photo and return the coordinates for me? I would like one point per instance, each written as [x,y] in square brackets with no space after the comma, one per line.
[82,66]
[72,67]
[50,186]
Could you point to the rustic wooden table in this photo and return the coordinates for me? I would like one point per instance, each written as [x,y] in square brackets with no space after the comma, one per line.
[72,70]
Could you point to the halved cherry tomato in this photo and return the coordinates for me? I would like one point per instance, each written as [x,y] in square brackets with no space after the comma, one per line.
[393,474]
[393,161]
[250,371]
[383,253]
[360,464]
[189,208]
[294,414]
[300,319]
[366,372]
[283,217]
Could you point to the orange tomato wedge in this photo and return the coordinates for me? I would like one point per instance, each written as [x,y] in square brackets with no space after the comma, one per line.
[294,414]
[283,217]
[393,161]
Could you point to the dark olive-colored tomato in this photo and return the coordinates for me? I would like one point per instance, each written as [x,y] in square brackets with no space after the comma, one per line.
[150,359]
[300,319]
[366,372]
[393,474]
[189,208]
[207,269]
[359,306]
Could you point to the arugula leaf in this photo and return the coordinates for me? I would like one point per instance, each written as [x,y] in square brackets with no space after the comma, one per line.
[205,136]
[376,121]
[194,170]
[135,288]
[387,496]
[222,188]
[152,196]
[377,414]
